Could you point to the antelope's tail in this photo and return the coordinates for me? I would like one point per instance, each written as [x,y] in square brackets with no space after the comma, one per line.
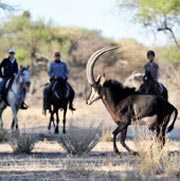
[170,128]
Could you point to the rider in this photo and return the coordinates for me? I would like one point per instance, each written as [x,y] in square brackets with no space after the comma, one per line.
[8,68]
[152,66]
[58,69]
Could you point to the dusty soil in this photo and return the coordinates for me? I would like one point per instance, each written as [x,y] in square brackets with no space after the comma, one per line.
[49,161]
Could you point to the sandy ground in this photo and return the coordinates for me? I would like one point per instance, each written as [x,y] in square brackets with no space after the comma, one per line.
[49,161]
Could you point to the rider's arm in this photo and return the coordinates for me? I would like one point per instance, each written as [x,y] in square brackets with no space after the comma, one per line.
[66,71]
[16,68]
[1,66]
[50,71]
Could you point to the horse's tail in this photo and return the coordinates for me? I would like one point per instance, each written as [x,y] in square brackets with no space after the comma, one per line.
[170,128]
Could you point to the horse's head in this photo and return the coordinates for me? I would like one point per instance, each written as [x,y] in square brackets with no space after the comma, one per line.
[25,75]
[148,77]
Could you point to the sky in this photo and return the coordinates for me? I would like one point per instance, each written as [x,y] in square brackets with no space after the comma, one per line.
[101,15]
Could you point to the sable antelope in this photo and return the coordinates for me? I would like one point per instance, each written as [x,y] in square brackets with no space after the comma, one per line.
[152,87]
[127,106]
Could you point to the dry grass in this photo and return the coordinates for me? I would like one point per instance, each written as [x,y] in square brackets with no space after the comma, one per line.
[3,135]
[49,161]
[80,140]
[152,159]
[23,143]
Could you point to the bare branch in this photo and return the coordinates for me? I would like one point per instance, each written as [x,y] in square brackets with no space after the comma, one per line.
[166,28]
[6,7]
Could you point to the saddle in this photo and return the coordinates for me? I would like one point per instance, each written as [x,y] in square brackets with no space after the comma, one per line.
[160,87]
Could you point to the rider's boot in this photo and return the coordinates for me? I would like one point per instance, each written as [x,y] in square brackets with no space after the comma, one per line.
[71,107]
[23,106]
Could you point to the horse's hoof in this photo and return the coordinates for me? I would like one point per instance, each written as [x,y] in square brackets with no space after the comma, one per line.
[56,131]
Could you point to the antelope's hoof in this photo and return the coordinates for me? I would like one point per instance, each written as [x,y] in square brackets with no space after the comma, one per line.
[134,153]
[117,152]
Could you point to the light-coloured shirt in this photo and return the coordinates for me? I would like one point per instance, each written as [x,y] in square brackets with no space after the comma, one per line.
[58,70]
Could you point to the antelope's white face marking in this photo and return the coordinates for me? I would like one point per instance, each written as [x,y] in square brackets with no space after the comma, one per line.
[94,96]
[95,91]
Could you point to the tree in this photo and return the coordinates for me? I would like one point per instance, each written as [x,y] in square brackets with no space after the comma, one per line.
[160,14]
[5,6]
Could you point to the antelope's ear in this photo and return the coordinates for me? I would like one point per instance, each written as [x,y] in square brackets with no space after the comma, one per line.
[98,78]
[102,80]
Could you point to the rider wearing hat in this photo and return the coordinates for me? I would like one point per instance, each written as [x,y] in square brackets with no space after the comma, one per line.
[8,67]
[152,66]
[59,69]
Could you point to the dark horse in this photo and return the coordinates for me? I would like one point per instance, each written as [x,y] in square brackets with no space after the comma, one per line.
[152,87]
[59,100]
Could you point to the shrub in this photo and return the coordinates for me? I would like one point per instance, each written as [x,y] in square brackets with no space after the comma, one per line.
[80,140]
[23,143]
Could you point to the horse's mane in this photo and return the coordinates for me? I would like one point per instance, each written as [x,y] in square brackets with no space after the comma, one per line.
[118,91]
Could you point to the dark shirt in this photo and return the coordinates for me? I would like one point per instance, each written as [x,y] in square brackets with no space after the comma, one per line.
[7,68]
[153,68]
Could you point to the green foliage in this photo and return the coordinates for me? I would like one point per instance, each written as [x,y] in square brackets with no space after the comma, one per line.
[22,54]
[30,37]
[153,10]
[160,15]
[170,54]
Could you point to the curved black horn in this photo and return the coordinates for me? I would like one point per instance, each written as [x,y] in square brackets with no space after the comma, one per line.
[92,60]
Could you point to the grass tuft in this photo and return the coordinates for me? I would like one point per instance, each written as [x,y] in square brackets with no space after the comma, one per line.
[80,140]
[4,136]
[23,143]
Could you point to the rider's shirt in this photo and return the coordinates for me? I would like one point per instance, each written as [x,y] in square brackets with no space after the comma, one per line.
[58,70]
[8,67]
[153,68]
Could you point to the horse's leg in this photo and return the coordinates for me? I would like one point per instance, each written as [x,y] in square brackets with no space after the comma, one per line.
[2,108]
[12,125]
[115,133]
[64,120]
[51,119]
[57,122]
[15,118]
